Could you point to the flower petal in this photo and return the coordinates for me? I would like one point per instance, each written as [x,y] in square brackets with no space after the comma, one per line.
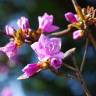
[56,63]
[46,23]
[23,23]
[51,28]
[31,69]
[9,30]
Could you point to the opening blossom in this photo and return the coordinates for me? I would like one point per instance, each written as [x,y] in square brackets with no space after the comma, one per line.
[49,55]
[23,23]
[49,48]
[46,23]
[22,34]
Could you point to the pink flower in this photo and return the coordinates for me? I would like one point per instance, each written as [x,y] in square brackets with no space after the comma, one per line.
[71,17]
[77,34]
[47,48]
[10,49]
[6,92]
[46,23]
[23,23]
[9,30]
[31,69]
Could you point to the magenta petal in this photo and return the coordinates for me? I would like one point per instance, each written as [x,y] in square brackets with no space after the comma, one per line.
[46,48]
[9,30]
[46,23]
[1,49]
[77,34]
[51,28]
[31,69]
[70,17]
[57,43]
[59,55]
[42,39]
[23,23]
[53,46]
[38,48]
[56,63]
[10,49]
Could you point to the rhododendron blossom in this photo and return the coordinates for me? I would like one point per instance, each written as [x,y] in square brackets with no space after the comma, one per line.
[49,55]
[49,48]
[46,23]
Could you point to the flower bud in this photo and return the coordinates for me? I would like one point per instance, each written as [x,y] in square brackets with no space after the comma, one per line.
[77,34]
[31,69]
[70,17]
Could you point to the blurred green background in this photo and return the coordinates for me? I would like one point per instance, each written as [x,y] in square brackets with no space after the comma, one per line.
[45,83]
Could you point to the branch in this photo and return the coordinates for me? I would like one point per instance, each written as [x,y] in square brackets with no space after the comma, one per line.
[70,67]
[80,78]
[84,56]
[61,74]
[60,33]
[78,9]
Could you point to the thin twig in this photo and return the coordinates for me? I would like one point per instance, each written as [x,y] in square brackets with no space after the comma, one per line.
[70,67]
[78,9]
[60,33]
[74,62]
[84,55]
[80,78]
[66,76]
[83,83]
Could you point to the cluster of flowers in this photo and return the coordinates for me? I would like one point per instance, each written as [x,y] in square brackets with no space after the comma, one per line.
[46,48]
[22,35]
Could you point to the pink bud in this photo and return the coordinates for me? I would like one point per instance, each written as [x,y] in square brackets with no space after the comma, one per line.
[31,69]
[70,17]
[77,34]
